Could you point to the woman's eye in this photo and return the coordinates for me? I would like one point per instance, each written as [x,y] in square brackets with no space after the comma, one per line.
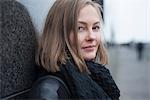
[96,28]
[80,28]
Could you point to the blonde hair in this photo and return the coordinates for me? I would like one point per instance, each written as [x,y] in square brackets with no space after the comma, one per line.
[54,45]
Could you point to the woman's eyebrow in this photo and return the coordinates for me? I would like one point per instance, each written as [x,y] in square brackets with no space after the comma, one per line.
[81,22]
[98,22]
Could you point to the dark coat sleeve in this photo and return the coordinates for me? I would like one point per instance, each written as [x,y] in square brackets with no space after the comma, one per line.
[49,88]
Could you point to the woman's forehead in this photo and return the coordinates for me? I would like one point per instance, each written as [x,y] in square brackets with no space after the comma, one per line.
[88,13]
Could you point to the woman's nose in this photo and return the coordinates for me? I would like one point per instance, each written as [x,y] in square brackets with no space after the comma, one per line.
[91,35]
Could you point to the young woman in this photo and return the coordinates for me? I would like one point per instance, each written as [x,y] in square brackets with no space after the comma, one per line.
[69,48]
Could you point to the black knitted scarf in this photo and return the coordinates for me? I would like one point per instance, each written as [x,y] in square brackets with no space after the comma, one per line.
[99,85]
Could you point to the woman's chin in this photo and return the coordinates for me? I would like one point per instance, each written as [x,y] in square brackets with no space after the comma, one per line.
[89,58]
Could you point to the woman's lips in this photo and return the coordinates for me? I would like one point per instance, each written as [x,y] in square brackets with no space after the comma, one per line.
[88,48]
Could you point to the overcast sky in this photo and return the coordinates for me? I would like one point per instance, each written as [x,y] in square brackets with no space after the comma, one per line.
[128,19]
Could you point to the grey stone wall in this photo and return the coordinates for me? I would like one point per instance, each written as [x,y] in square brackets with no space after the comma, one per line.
[17,48]
[38,10]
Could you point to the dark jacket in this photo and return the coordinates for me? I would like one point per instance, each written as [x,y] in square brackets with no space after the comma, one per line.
[49,88]
[70,83]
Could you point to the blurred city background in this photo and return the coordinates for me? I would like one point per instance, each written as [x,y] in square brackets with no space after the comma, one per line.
[127,32]
[127,37]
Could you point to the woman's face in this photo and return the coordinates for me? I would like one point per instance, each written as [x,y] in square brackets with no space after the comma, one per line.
[88,32]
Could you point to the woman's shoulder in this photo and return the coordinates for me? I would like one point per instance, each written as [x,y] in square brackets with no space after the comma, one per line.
[49,87]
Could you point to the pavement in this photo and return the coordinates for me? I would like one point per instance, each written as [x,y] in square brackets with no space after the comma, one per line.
[130,74]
